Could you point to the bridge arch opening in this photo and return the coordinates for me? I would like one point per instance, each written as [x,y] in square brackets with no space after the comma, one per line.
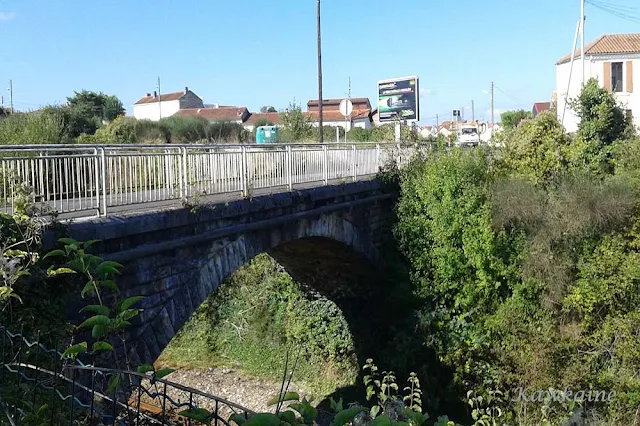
[329,258]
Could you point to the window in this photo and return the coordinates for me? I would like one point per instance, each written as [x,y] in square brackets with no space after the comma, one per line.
[616,76]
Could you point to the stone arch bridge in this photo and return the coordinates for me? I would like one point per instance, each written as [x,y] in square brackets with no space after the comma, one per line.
[330,238]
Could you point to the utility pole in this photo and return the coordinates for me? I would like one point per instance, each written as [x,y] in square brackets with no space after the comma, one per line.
[321,128]
[437,120]
[493,120]
[473,112]
[582,19]
[159,101]
[11,95]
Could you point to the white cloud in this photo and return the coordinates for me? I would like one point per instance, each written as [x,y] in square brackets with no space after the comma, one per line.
[427,92]
[7,16]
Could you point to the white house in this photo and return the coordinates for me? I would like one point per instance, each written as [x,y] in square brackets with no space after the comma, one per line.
[154,107]
[612,59]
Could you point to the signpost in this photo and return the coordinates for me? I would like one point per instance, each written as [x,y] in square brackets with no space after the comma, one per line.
[399,100]
[346,108]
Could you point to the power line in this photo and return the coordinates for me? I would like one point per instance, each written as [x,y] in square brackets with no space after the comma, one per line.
[517,101]
[615,11]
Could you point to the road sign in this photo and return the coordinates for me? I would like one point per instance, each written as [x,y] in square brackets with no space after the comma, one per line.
[346,107]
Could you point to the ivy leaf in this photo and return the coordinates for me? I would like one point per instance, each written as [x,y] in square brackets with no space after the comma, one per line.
[89,243]
[162,373]
[99,331]
[114,382]
[108,267]
[346,416]
[111,285]
[239,418]
[198,414]
[67,241]
[263,419]
[59,271]
[75,350]
[145,368]
[96,320]
[129,302]
[102,346]
[381,421]
[288,417]
[52,253]
[88,287]
[96,309]
[289,396]
[374,411]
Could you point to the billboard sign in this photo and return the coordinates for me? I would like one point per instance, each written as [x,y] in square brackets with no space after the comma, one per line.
[398,99]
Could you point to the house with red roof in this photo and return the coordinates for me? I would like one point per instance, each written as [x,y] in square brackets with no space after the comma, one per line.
[539,107]
[229,114]
[361,115]
[614,60]
[155,107]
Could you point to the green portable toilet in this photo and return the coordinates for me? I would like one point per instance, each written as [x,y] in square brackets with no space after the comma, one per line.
[266,134]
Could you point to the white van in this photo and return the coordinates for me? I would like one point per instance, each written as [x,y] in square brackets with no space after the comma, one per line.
[468,136]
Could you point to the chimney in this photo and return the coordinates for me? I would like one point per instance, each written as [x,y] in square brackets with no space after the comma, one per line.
[155,94]
[186,89]
[148,94]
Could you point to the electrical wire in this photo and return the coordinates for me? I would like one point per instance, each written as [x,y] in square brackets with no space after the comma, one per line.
[615,11]
[517,101]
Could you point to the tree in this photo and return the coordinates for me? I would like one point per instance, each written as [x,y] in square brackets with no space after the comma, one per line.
[267,109]
[296,123]
[96,105]
[538,149]
[511,119]
[602,122]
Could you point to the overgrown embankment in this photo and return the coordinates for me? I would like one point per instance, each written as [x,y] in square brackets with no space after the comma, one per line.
[255,318]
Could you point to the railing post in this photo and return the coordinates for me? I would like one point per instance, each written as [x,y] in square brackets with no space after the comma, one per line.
[353,162]
[244,172]
[104,180]
[184,179]
[378,165]
[289,168]
[325,164]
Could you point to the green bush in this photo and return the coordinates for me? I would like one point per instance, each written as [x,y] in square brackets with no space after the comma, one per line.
[32,128]
[255,317]
[538,149]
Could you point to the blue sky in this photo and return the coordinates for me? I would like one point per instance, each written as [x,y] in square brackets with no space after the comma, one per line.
[263,52]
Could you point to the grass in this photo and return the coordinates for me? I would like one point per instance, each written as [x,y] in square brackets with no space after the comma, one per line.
[251,322]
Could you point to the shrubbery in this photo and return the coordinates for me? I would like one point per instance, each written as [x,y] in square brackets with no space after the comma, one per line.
[527,263]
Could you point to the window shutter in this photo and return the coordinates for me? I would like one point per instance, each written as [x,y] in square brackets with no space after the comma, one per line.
[629,72]
[607,76]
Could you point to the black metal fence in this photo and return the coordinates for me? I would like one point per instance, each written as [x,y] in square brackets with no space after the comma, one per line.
[38,386]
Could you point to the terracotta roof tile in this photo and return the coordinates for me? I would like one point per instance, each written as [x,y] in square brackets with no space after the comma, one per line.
[613,44]
[271,117]
[214,114]
[165,97]
[335,103]
[542,106]
[333,115]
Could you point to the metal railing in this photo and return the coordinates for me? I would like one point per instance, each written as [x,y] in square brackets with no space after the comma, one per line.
[91,179]
[39,385]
